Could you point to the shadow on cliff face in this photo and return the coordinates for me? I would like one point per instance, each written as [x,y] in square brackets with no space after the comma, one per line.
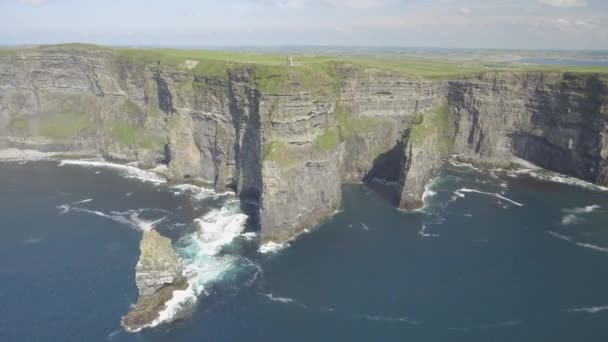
[244,106]
[385,174]
[570,117]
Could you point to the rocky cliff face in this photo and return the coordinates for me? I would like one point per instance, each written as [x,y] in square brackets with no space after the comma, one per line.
[158,274]
[558,122]
[286,138]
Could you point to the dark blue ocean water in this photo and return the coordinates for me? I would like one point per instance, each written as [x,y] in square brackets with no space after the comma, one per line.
[489,259]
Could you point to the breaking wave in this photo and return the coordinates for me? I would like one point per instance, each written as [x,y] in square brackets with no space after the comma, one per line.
[272,247]
[202,260]
[124,170]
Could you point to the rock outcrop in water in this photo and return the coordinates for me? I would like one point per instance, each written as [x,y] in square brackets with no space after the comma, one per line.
[286,138]
[158,274]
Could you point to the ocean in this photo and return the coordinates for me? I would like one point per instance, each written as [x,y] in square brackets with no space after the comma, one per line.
[495,255]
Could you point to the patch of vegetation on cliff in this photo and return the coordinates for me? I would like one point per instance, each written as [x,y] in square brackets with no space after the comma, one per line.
[277,151]
[20,125]
[436,123]
[328,140]
[64,125]
[128,134]
[350,125]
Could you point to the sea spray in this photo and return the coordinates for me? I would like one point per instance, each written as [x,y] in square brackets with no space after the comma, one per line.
[202,260]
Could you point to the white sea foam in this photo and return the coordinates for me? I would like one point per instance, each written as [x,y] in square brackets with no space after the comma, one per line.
[284,300]
[83,201]
[586,210]
[129,218]
[63,209]
[272,247]
[591,309]
[423,233]
[198,192]
[249,236]
[457,163]
[554,177]
[460,193]
[572,217]
[580,244]
[202,260]
[124,170]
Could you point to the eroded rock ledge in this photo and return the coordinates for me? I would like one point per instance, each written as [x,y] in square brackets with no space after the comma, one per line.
[158,274]
[286,138]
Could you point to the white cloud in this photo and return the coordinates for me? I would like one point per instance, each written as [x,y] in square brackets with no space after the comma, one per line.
[466,11]
[564,3]
[33,2]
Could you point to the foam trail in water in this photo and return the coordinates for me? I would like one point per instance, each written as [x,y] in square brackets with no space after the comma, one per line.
[580,244]
[125,170]
[423,233]
[129,218]
[284,300]
[402,319]
[83,201]
[364,226]
[459,193]
[591,309]
[202,260]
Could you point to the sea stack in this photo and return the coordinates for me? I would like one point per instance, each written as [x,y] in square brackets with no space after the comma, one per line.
[158,274]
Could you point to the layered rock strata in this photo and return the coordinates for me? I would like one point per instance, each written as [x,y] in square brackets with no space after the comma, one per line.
[158,275]
[285,138]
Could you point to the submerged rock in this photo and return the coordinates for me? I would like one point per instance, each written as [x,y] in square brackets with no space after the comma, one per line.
[158,275]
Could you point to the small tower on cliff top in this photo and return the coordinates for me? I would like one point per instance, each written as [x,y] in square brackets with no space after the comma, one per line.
[290,61]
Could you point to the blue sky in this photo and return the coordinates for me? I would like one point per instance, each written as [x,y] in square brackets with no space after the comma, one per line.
[530,24]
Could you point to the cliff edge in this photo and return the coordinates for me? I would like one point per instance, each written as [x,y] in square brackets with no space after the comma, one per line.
[287,137]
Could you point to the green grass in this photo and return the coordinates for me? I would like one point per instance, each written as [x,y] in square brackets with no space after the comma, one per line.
[434,123]
[349,125]
[64,125]
[278,152]
[311,71]
[328,140]
[132,135]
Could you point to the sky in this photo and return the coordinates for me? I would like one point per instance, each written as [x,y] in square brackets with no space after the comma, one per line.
[514,24]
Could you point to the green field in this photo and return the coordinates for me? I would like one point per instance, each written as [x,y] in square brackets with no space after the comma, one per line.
[312,70]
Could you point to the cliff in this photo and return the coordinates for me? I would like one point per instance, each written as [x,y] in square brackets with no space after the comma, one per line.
[287,137]
[158,274]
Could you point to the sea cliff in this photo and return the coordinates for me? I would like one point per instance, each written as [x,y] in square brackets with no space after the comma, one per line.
[287,137]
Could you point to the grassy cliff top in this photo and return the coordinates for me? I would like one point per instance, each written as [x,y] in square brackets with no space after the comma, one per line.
[272,67]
